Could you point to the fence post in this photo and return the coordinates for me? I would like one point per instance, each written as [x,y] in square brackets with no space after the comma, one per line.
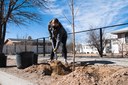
[44,46]
[25,45]
[15,48]
[101,43]
[37,46]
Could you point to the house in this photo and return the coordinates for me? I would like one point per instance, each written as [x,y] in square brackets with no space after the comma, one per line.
[14,46]
[112,46]
[117,43]
[86,48]
[121,42]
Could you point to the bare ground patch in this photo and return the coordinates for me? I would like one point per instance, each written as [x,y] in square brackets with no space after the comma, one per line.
[56,73]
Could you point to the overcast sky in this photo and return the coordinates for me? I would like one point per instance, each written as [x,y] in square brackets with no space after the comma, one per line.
[88,13]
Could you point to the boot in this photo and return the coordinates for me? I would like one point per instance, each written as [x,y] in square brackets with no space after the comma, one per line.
[66,62]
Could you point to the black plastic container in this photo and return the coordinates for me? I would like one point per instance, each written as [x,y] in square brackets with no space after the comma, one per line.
[24,59]
[3,60]
[35,59]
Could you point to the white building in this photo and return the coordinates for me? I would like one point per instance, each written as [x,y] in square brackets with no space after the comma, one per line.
[112,46]
[85,48]
[117,43]
[122,40]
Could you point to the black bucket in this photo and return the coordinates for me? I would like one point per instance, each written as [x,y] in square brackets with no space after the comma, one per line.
[35,59]
[3,60]
[24,59]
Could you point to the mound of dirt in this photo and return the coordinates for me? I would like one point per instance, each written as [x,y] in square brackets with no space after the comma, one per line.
[44,69]
[83,75]
[96,75]
[52,68]
[118,78]
[58,68]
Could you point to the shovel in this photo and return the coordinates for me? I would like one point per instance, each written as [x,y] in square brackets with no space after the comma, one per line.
[55,53]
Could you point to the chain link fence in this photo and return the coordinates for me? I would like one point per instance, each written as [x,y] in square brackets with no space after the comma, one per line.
[92,42]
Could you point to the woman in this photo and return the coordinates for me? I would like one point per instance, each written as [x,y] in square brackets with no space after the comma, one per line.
[58,35]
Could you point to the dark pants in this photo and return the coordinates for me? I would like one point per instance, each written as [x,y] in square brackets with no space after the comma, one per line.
[64,49]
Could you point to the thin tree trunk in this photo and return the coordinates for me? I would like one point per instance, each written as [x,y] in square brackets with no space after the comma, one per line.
[4,31]
[2,39]
[73,34]
[1,25]
[1,47]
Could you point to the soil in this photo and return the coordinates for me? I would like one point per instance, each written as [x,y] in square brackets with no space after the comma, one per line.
[96,75]
[57,73]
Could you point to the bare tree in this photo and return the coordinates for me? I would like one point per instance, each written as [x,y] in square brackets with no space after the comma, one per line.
[94,39]
[70,47]
[18,12]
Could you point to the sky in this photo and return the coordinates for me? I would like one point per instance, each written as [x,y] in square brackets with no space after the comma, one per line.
[88,14]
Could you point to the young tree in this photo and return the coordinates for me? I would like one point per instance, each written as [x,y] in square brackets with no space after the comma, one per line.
[18,12]
[71,20]
[94,39]
[73,30]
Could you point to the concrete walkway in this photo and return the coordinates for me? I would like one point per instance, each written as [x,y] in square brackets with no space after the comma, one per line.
[7,79]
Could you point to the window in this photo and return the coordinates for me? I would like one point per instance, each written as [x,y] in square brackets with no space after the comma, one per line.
[126,37]
[87,48]
[119,36]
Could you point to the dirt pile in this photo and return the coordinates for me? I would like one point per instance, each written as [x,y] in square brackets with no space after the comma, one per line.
[96,75]
[118,78]
[58,68]
[52,68]
[83,75]
[44,69]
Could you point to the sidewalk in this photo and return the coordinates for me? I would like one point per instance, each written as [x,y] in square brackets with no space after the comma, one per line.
[7,79]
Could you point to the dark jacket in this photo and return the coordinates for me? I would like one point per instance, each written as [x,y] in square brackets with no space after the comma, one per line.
[57,33]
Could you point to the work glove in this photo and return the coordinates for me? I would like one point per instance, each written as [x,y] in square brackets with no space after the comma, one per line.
[54,50]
